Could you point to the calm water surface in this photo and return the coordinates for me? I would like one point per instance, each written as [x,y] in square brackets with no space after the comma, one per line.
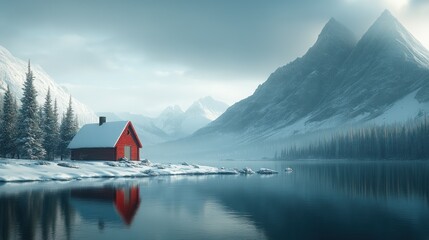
[319,200]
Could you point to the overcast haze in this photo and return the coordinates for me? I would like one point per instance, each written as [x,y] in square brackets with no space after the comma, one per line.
[141,56]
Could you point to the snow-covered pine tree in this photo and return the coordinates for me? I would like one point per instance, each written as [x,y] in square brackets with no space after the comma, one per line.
[68,130]
[29,141]
[50,127]
[8,121]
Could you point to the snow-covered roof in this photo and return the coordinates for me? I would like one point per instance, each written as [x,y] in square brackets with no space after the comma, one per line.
[96,136]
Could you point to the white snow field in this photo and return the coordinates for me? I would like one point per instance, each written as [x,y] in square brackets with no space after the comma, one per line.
[17,170]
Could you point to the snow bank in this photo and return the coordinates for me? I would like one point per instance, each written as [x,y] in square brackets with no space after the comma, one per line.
[266,171]
[246,171]
[13,170]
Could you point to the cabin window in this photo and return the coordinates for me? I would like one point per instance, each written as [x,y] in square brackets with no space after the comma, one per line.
[128,132]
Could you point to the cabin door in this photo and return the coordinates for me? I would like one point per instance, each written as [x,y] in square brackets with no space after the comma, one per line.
[127,152]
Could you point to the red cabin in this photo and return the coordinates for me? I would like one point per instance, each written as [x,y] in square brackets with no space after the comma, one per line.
[106,141]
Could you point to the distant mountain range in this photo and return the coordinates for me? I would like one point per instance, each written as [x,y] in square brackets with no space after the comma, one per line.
[12,74]
[173,123]
[339,82]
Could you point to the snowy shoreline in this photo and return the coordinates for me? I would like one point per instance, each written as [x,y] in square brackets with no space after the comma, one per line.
[17,170]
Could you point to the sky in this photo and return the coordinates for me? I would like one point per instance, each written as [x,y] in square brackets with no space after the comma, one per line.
[142,56]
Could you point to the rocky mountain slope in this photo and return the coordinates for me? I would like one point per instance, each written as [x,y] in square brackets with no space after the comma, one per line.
[337,82]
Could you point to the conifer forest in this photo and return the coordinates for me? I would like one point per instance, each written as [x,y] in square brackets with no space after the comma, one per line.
[395,141]
[31,131]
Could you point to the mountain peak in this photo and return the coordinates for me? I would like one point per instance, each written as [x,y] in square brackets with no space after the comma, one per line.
[333,28]
[206,99]
[395,39]
[334,34]
[175,109]
[387,14]
[210,101]
[332,23]
[208,107]
[335,41]
[387,22]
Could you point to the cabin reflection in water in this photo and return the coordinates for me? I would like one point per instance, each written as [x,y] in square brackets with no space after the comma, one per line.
[106,205]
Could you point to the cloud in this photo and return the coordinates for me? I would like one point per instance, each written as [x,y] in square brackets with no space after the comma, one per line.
[165,49]
[419,2]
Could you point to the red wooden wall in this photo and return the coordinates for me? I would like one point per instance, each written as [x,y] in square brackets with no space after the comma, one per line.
[94,154]
[128,138]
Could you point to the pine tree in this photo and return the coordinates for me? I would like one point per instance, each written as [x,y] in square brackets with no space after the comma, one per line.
[56,130]
[68,130]
[1,103]
[40,135]
[8,121]
[29,133]
[1,123]
[50,127]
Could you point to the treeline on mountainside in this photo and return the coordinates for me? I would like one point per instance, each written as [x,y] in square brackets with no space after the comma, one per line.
[33,131]
[396,141]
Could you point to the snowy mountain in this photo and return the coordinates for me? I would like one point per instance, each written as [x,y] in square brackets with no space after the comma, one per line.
[207,108]
[173,123]
[12,74]
[337,82]
[170,121]
[386,65]
[179,124]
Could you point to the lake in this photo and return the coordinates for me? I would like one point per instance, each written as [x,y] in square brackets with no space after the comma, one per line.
[318,200]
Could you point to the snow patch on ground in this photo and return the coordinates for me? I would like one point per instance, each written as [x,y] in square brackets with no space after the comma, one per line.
[17,170]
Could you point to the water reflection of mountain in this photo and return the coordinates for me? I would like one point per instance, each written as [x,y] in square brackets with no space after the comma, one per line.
[334,201]
[44,214]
